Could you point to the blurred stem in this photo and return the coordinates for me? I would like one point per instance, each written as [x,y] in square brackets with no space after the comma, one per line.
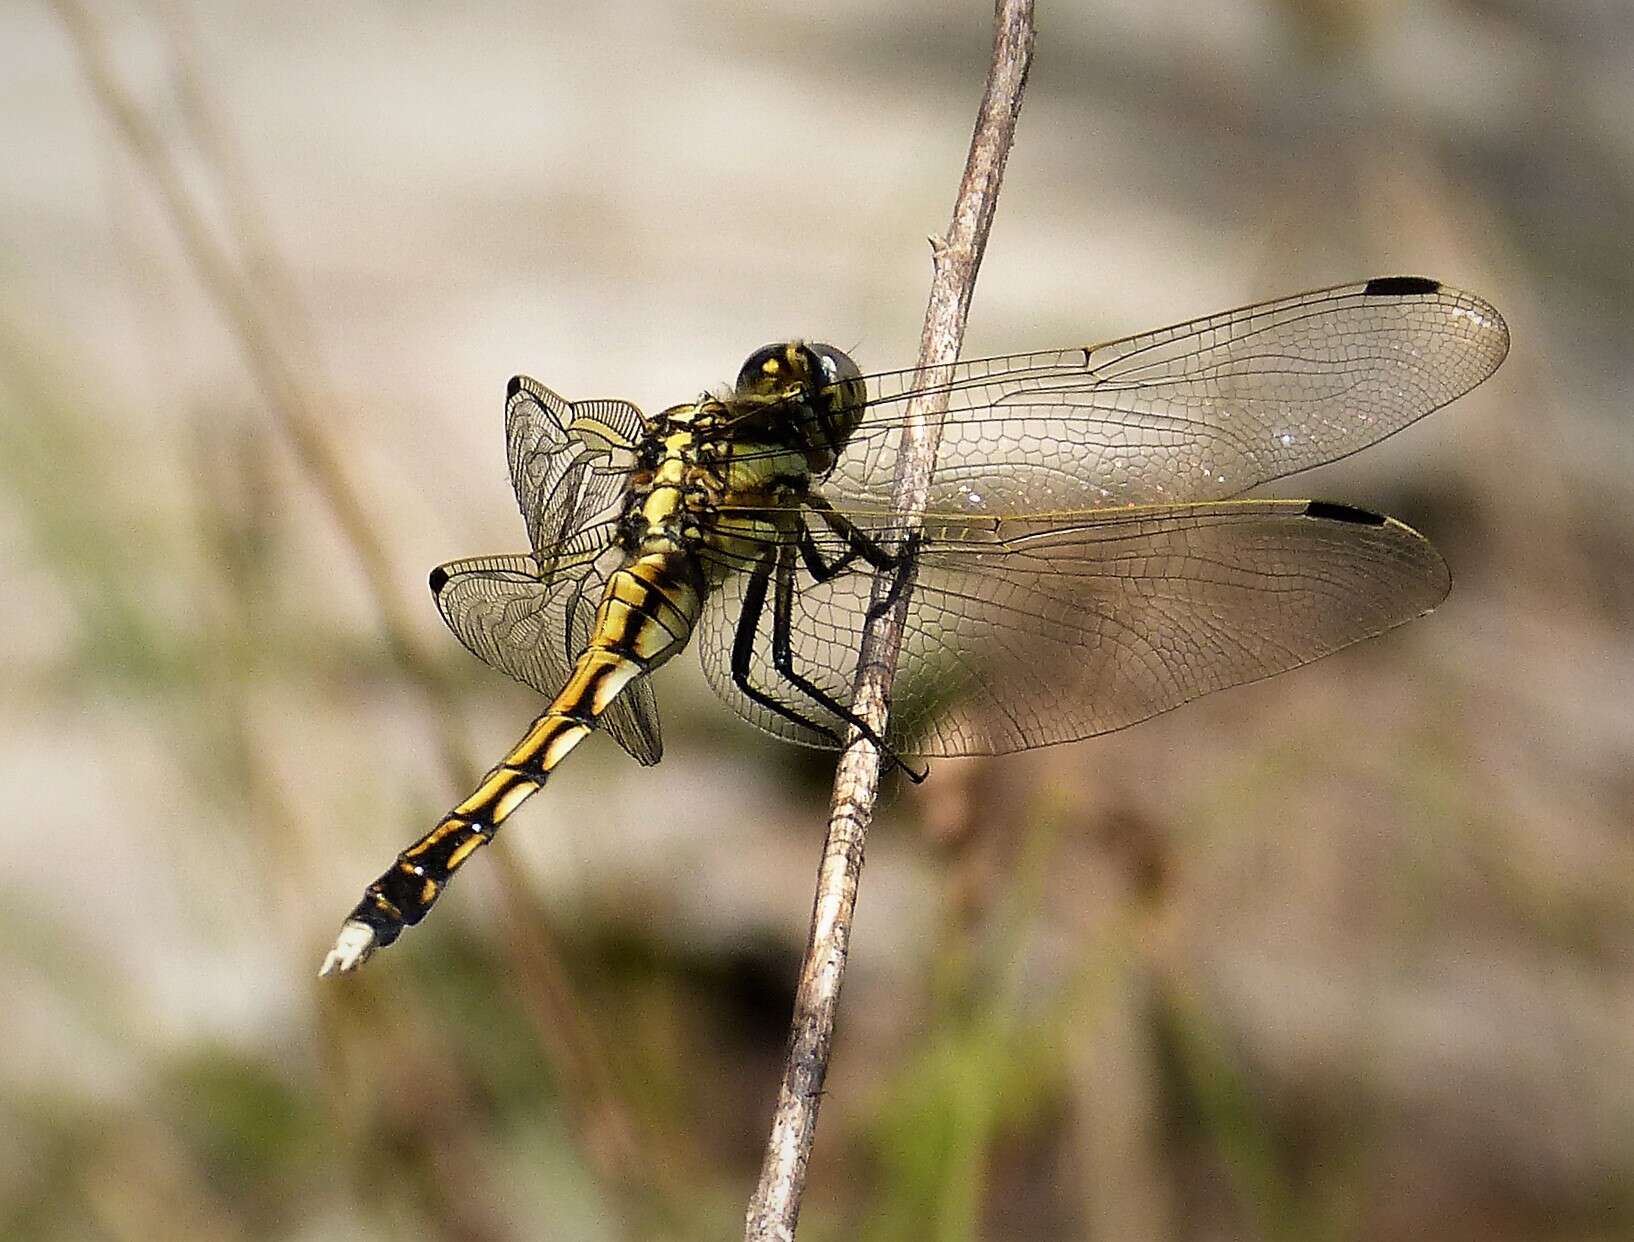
[279,382]
[252,239]
[267,354]
[230,478]
[978,979]
[775,1208]
[1232,1113]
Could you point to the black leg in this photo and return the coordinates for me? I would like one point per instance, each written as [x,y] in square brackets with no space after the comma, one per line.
[819,569]
[899,583]
[743,650]
[783,660]
[857,543]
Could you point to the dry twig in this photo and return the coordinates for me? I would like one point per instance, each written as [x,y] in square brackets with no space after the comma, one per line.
[775,1208]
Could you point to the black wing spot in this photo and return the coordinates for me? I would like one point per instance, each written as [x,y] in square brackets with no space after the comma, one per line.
[1328,511]
[438,580]
[1400,286]
[514,387]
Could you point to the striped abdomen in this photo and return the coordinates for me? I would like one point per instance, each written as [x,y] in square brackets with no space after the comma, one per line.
[647,613]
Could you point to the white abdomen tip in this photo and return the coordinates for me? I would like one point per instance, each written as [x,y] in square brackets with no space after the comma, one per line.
[352,948]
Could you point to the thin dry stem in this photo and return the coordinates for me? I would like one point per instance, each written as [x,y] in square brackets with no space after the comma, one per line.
[265,354]
[235,276]
[775,1209]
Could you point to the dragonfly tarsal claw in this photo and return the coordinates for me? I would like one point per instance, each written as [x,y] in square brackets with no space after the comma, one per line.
[353,947]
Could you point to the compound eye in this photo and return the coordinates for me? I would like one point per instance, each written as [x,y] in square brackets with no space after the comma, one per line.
[834,365]
[767,367]
[839,402]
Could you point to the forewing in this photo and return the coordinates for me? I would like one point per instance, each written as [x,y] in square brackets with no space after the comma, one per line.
[566,463]
[1204,410]
[1026,633]
[531,629]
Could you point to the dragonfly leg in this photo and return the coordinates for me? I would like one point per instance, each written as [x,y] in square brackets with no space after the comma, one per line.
[743,649]
[903,571]
[783,647]
[857,542]
[858,545]
[819,569]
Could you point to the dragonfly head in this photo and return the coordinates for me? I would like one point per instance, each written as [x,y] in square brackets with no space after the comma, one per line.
[806,389]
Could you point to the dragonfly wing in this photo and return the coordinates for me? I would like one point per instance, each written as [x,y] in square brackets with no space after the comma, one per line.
[567,463]
[532,629]
[1200,411]
[1025,632]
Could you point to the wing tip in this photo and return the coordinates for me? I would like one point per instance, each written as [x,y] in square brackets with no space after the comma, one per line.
[1400,286]
[513,386]
[1490,332]
[1331,511]
[438,580]
[1439,576]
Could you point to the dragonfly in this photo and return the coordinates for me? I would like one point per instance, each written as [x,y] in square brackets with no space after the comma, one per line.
[1085,559]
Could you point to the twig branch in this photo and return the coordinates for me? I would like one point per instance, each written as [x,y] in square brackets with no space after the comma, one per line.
[775,1208]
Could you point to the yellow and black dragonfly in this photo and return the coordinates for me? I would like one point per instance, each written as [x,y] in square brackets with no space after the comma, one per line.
[1082,562]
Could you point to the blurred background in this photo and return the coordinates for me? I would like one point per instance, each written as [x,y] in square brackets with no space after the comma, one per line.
[1341,955]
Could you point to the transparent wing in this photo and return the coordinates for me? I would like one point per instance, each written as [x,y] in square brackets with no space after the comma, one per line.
[530,628]
[568,463]
[1026,633]
[1201,411]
